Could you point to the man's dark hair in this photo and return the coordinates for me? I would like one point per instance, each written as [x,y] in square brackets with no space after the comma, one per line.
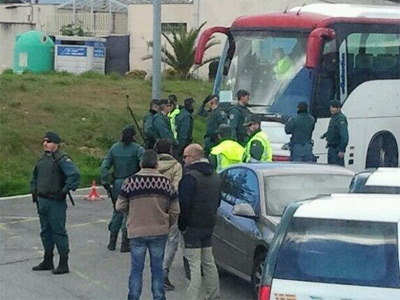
[302,106]
[242,93]
[173,98]
[210,97]
[163,146]
[128,135]
[154,102]
[149,159]
[188,102]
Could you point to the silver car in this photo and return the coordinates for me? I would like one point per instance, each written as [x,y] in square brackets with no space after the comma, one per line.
[253,199]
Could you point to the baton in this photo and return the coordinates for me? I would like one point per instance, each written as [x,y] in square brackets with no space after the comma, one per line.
[70,198]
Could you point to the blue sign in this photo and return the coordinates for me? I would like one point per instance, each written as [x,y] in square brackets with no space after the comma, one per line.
[71,51]
[99,52]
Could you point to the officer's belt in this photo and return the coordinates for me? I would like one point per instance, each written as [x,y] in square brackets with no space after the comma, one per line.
[48,196]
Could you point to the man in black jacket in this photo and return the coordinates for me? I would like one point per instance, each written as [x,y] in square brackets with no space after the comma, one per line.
[199,198]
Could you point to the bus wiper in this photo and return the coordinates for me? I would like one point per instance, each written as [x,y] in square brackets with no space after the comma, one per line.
[259,105]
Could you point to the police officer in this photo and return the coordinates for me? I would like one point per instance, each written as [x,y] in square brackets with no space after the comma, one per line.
[184,125]
[258,147]
[337,136]
[53,177]
[161,123]
[227,152]
[237,115]
[173,113]
[124,158]
[215,117]
[301,128]
[148,131]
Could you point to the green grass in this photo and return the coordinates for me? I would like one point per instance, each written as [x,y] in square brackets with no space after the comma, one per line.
[88,111]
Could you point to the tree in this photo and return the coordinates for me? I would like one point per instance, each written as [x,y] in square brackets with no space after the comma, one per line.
[181,55]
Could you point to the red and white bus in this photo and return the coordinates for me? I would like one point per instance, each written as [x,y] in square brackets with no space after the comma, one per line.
[332,51]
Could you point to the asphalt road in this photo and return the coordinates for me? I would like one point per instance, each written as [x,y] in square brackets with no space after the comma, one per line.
[95,272]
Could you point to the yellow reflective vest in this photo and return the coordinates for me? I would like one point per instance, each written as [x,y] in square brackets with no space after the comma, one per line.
[263,139]
[228,153]
[283,69]
[172,117]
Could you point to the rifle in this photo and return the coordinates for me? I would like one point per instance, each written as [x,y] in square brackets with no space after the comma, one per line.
[133,117]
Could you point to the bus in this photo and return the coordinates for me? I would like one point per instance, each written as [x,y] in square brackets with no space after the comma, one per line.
[317,53]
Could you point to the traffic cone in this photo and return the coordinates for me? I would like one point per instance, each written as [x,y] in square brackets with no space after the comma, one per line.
[93,195]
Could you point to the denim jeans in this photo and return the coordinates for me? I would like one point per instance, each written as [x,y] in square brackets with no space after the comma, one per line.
[139,246]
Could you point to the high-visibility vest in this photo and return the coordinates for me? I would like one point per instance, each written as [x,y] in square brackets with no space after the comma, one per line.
[263,139]
[172,116]
[228,153]
[283,69]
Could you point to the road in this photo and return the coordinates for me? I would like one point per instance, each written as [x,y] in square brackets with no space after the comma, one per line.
[96,273]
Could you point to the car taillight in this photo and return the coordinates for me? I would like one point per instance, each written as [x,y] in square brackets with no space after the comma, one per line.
[265,292]
[280,158]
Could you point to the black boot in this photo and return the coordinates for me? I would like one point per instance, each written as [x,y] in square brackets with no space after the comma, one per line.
[63,265]
[125,247]
[47,263]
[113,241]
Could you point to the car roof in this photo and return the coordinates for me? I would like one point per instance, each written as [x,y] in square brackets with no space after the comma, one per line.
[274,168]
[384,177]
[361,207]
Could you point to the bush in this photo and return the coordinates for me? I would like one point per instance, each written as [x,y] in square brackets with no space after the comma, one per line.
[170,74]
[137,74]
[8,72]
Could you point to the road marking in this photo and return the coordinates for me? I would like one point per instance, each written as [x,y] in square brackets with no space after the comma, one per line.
[21,219]
[88,278]
[90,223]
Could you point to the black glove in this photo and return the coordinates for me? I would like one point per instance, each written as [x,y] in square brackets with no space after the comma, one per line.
[34,197]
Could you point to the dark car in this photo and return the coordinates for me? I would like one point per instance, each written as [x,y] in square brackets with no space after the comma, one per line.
[252,201]
[379,181]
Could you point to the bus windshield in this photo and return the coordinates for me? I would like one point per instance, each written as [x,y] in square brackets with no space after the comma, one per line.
[270,65]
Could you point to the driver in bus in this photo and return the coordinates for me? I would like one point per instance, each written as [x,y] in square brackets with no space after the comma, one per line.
[283,64]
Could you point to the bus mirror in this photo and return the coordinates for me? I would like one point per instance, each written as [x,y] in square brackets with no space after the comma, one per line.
[314,44]
[203,40]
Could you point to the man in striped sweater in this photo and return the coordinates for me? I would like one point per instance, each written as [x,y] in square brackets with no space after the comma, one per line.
[152,205]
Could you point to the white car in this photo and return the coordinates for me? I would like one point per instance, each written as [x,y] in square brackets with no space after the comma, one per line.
[381,181]
[343,246]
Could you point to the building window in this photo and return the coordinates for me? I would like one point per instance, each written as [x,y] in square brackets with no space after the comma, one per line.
[172,27]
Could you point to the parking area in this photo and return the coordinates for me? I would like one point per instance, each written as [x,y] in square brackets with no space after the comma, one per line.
[96,273]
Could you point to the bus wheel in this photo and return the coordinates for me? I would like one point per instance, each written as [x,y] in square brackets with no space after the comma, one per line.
[382,151]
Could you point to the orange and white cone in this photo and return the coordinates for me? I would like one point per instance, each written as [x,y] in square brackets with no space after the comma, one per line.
[93,195]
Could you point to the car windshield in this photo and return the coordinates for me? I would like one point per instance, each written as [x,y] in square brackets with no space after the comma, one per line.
[270,65]
[280,190]
[340,252]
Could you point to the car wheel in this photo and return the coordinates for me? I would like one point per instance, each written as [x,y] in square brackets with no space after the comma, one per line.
[257,271]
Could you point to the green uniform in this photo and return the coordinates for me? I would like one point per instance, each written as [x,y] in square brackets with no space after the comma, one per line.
[258,148]
[337,138]
[237,116]
[184,128]
[148,130]
[124,159]
[301,127]
[226,153]
[215,118]
[53,176]
[162,127]
[172,119]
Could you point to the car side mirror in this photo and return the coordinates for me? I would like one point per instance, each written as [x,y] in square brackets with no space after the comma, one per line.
[244,210]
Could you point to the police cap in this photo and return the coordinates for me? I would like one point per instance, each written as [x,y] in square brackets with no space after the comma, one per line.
[224,130]
[52,137]
[242,93]
[251,119]
[336,103]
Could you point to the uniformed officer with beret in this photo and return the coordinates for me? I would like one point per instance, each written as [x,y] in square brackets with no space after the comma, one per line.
[161,123]
[54,175]
[215,117]
[258,148]
[337,136]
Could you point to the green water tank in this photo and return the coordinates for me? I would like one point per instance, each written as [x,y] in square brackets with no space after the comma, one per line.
[34,51]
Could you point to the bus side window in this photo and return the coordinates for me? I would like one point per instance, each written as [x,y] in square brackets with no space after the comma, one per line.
[327,78]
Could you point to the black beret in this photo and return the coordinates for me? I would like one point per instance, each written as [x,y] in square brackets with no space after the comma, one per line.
[52,137]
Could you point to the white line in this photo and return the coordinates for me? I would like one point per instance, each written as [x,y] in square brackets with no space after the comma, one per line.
[29,195]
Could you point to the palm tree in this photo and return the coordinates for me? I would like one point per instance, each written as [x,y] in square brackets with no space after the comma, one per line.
[181,57]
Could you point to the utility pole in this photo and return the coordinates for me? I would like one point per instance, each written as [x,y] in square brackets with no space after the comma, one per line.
[156,91]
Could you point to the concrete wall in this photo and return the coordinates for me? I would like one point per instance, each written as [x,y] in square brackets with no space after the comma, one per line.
[8,31]
[140,28]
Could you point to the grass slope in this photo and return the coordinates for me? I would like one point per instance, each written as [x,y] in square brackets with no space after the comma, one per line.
[88,111]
